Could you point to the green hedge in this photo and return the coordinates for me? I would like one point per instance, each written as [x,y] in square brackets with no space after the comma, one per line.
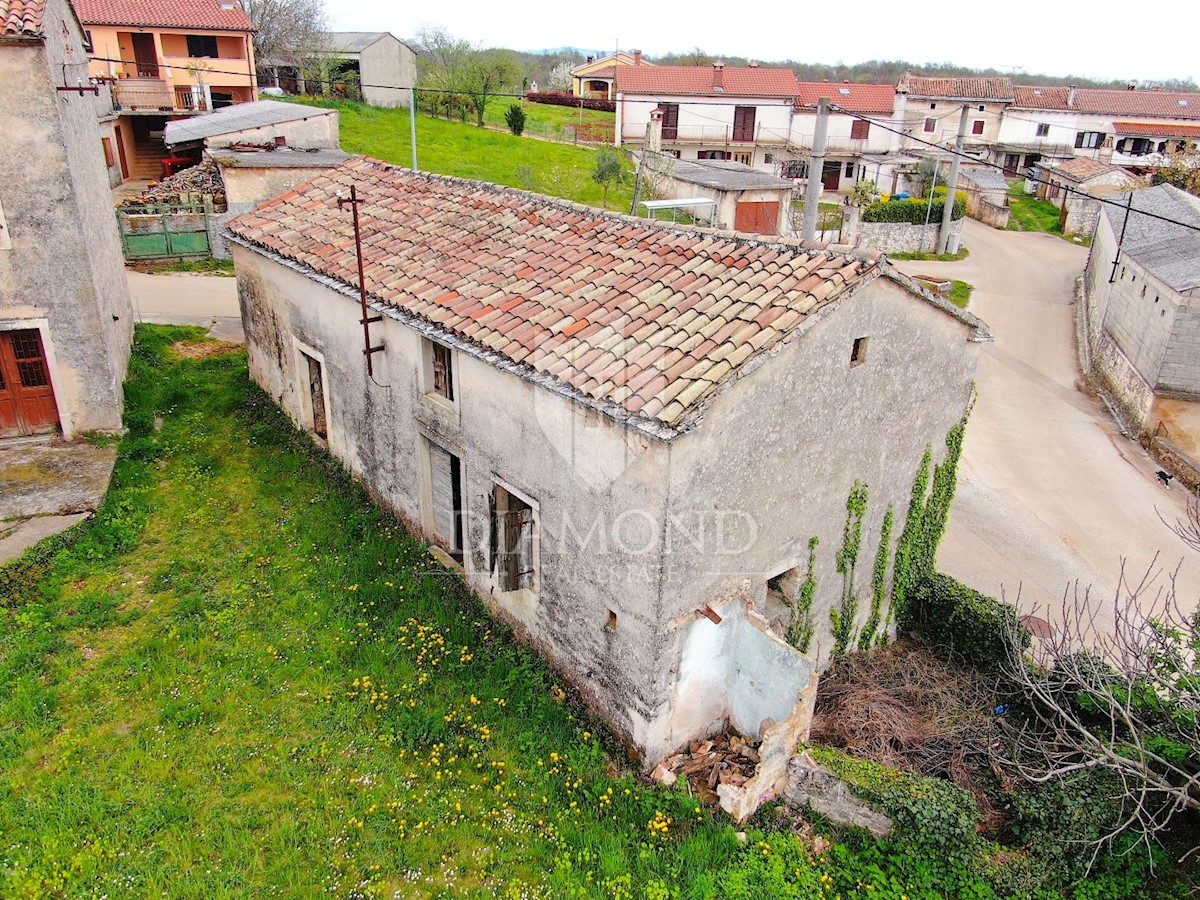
[947,613]
[914,210]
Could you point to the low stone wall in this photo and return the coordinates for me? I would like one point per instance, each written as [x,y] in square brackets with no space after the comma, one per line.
[901,237]
[992,214]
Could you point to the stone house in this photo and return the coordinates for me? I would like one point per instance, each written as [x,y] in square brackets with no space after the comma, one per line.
[622,432]
[375,66]
[1075,186]
[932,108]
[65,314]
[986,191]
[261,122]
[1143,299]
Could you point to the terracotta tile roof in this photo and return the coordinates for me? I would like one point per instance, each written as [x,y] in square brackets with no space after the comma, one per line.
[214,15]
[645,322]
[748,81]
[608,72]
[1157,129]
[1106,101]
[21,18]
[1081,168]
[972,88]
[860,98]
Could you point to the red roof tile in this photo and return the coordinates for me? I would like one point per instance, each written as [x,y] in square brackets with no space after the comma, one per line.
[621,351]
[1106,101]
[215,15]
[1081,168]
[21,18]
[970,88]
[1157,129]
[748,81]
[861,98]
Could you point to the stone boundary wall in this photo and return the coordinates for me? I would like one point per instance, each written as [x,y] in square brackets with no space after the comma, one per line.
[992,214]
[900,237]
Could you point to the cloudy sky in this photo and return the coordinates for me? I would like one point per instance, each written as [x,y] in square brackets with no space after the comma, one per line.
[1061,38]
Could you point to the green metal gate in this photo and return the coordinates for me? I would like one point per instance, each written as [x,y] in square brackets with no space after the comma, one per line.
[165,232]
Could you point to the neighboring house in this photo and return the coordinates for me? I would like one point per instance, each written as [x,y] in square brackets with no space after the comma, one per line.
[262,122]
[166,59]
[1076,185]
[621,431]
[986,191]
[597,77]
[1134,129]
[932,109]
[65,314]
[710,112]
[374,66]
[858,143]
[1143,299]
[744,199]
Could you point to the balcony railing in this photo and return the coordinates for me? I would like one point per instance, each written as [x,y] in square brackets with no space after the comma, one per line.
[192,101]
[142,93]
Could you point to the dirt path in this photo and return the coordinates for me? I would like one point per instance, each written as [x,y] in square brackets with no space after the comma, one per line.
[1049,490]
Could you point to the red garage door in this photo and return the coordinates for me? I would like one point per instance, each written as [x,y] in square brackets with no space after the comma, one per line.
[756,217]
[26,396]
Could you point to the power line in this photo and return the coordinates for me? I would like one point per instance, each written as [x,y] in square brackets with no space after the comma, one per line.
[1036,180]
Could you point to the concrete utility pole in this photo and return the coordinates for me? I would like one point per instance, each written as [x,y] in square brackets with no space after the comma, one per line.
[952,183]
[412,123]
[816,167]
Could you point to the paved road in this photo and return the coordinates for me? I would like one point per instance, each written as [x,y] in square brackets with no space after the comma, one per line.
[177,298]
[1049,490]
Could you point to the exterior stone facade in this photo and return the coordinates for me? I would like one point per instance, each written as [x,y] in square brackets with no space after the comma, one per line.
[645,576]
[61,268]
[901,237]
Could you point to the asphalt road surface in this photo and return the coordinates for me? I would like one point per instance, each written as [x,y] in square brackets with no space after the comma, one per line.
[177,298]
[1050,493]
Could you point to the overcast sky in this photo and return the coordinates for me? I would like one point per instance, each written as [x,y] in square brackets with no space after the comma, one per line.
[1064,37]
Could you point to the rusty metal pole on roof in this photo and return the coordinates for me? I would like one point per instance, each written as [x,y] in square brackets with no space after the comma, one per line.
[367,318]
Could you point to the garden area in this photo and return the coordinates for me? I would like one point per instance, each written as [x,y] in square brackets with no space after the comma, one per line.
[241,678]
[1029,213]
[467,151]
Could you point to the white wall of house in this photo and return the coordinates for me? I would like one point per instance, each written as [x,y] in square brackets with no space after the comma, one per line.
[703,121]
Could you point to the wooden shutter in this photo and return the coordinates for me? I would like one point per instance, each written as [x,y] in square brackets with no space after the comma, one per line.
[859,130]
[743,123]
[670,122]
[441,482]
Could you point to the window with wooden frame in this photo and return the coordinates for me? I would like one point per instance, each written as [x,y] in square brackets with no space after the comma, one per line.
[746,159]
[930,125]
[1043,129]
[860,129]
[512,541]
[977,126]
[443,371]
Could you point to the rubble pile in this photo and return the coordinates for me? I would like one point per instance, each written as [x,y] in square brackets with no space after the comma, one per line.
[725,759]
[191,187]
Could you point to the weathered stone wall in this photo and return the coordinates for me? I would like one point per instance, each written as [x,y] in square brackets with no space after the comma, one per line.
[901,237]
[595,483]
[320,131]
[65,272]
[994,214]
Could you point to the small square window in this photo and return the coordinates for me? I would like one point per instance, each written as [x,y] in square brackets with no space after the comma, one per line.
[439,370]
[1043,129]
[933,106]
[858,353]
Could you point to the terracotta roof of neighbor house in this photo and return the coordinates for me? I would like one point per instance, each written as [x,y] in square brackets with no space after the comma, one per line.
[743,81]
[861,98]
[213,15]
[1157,129]
[969,88]
[609,72]
[1171,252]
[644,322]
[21,18]
[617,60]
[1080,169]
[1106,101]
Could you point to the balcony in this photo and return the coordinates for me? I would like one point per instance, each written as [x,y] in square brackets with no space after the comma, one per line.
[705,134]
[142,94]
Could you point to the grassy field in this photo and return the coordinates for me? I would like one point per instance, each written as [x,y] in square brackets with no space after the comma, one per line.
[547,119]
[1030,213]
[452,148]
[962,253]
[241,679]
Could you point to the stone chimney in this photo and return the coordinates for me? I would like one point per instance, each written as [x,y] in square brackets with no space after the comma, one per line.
[1071,97]
[590,60]
[637,57]
[654,131]
[718,76]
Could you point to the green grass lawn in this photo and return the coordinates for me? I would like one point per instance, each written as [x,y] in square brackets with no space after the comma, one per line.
[1029,213]
[547,119]
[962,253]
[452,148]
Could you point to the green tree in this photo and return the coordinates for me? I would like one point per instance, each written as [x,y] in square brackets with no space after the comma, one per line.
[515,119]
[486,74]
[608,169]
